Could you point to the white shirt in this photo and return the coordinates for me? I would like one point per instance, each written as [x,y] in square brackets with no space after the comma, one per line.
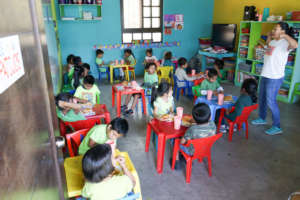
[181,76]
[150,59]
[275,59]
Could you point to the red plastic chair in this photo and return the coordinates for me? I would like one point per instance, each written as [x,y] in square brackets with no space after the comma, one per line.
[243,118]
[74,140]
[202,147]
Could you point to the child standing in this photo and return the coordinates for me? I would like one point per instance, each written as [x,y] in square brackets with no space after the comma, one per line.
[149,57]
[89,90]
[104,133]
[162,100]
[100,180]
[150,79]
[181,73]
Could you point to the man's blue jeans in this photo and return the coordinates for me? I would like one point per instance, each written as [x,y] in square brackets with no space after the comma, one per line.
[267,97]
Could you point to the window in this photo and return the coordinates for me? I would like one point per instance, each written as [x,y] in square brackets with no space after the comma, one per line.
[141,20]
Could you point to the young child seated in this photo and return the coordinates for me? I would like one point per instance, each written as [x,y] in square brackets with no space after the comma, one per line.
[67,110]
[68,74]
[99,58]
[167,60]
[203,128]
[247,98]
[86,69]
[162,101]
[210,83]
[88,90]
[219,65]
[181,73]
[129,60]
[104,133]
[101,182]
[149,57]
[150,80]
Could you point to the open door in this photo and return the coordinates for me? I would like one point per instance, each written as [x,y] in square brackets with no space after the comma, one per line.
[29,159]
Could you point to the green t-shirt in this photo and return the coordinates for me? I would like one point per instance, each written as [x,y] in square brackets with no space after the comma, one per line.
[199,131]
[114,188]
[242,102]
[207,85]
[71,73]
[90,95]
[150,78]
[130,59]
[71,116]
[164,107]
[97,134]
[99,61]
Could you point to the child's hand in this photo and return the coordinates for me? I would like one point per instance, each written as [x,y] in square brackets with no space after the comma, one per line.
[121,160]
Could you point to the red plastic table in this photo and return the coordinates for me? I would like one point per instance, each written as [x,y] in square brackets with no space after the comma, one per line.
[164,131]
[126,90]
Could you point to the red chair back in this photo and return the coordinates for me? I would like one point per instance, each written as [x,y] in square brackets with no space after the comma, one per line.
[74,140]
[245,114]
[83,124]
[202,146]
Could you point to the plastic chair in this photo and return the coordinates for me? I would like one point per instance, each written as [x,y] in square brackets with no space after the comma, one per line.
[202,147]
[166,73]
[240,120]
[74,140]
[296,91]
[131,70]
[196,93]
[177,89]
[105,72]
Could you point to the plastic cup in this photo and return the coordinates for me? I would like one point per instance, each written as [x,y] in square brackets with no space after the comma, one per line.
[116,62]
[177,122]
[209,94]
[179,111]
[220,99]
[122,62]
[193,72]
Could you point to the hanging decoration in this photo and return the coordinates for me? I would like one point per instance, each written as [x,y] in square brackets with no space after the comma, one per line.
[138,44]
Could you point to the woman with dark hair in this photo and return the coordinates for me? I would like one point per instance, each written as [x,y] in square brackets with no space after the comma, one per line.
[280,42]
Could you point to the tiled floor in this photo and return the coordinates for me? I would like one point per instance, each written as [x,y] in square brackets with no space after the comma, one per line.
[260,168]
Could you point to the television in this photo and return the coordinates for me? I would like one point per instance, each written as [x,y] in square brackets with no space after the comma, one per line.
[224,35]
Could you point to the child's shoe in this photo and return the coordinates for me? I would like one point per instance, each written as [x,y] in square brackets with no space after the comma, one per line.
[123,108]
[128,112]
[223,128]
[273,131]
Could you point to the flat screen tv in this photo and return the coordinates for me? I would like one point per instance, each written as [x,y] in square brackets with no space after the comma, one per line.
[224,35]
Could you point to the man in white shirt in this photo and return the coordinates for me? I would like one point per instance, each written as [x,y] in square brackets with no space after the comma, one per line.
[279,46]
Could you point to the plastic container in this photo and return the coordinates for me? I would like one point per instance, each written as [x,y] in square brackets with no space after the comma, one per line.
[209,94]
[179,111]
[122,62]
[220,99]
[177,122]
[193,72]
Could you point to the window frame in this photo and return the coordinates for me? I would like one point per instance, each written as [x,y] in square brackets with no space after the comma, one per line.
[143,30]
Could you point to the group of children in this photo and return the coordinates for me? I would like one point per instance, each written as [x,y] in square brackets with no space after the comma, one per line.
[99,162]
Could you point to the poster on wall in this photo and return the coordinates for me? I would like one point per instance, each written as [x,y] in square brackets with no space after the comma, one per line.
[179,22]
[169,21]
[11,62]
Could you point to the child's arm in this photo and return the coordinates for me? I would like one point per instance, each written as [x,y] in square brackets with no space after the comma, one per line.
[81,100]
[121,161]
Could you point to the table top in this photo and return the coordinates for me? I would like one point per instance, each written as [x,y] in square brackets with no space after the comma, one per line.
[217,55]
[214,102]
[167,128]
[124,89]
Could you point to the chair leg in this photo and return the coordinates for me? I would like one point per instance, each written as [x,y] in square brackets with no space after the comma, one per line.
[175,152]
[231,126]
[246,129]
[209,165]
[177,95]
[220,120]
[148,138]
[188,170]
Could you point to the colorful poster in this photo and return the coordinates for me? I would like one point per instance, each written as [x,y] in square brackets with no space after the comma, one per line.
[179,22]
[169,21]
[11,62]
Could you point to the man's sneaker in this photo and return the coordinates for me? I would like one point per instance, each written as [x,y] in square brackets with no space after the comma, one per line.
[273,131]
[259,121]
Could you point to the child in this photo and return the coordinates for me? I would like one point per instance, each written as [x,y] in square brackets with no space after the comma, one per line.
[162,100]
[167,61]
[247,98]
[104,133]
[203,128]
[66,110]
[219,65]
[70,62]
[77,61]
[77,76]
[86,69]
[99,60]
[181,73]
[67,77]
[211,83]
[149,57]
[150,79]
[88,91]
[100,180]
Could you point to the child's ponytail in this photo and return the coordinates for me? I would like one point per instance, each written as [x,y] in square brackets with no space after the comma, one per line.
[163,88]
[250,86]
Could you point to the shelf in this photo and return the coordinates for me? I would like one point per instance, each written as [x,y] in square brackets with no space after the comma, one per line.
[244,33]
[283,98]
[253,74]
[287,82]
[246,47]
[275,22]
[252,60]
[79,5]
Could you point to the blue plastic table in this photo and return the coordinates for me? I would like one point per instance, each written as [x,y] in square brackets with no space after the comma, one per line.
[214,106]
[214,55]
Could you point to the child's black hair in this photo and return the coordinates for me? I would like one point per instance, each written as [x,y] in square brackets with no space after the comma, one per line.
[99,51]
[182,61]
[70,58]
[168,55]
[201,113]
[250,86]
[149,51]
[212,73]
[150,64]
[78,71]
[285,27]
[89,79]
[129,52]
[219,63]
[163,87]
[96,163]
[86,66]
[120,125]
[77,60]
[64,96]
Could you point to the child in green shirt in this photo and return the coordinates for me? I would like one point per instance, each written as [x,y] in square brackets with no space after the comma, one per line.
[150,79]
[100,180]
[99,60]
[104,133]
[88,91]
